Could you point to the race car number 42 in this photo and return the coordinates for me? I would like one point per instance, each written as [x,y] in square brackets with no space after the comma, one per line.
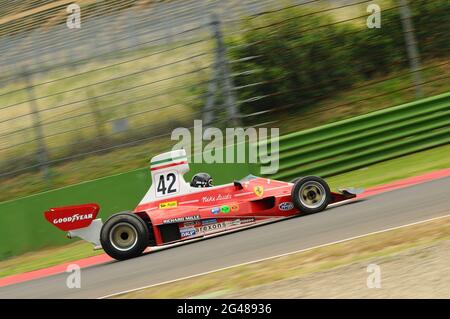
[167,184]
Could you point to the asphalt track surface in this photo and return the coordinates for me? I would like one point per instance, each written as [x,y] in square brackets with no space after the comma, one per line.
[375,213]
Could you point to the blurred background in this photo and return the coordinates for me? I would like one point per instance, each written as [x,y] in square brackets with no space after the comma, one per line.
[82,110]
[78,104]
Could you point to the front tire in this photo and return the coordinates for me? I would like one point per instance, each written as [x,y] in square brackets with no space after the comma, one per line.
[295,179]
[124,236]
[311,194]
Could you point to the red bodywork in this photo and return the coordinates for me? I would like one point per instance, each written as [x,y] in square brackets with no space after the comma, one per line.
[201,212]
[221,209]
[72,217]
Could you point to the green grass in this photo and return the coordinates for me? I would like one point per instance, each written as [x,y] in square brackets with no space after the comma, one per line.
[399,168]
[377,174]
[46,258]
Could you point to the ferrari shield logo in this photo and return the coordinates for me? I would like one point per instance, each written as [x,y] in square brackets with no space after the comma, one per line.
[259,190]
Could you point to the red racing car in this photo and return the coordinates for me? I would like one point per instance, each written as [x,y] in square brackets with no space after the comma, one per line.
[175,211]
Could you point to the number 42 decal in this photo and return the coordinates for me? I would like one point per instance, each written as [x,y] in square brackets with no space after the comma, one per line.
[167,184]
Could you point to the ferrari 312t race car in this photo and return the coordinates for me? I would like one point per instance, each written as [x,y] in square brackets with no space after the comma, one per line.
[173,211]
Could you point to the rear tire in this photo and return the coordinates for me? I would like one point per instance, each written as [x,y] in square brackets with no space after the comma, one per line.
[311,194]
[124,236]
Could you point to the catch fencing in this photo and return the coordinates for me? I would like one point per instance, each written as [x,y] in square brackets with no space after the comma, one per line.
[137,69]
[133,72]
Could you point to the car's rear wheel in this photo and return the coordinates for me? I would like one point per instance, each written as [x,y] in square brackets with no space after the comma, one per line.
[311,194]
[124,236]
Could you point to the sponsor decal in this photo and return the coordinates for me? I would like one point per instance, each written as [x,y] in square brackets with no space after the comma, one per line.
[240,221]
[215,210]
[212,227]
[209,221]
[225,209]
[187,224]
[214,198]
[234,222]
[259,190]
[234,207]
[187,231]
[168,205]
[286,206]
[247,220]
[72,219]
[181,219]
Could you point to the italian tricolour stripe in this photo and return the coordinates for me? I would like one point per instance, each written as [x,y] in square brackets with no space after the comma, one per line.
[168,162]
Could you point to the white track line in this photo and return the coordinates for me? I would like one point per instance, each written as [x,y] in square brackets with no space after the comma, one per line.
[273,257]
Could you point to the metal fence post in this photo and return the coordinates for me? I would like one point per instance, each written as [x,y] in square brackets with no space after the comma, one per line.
[42,153]
[96,113]
[208,109]
[411,46]
[221,78]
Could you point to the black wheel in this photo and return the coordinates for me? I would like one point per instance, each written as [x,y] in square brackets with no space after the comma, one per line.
[124,236]
[311,194]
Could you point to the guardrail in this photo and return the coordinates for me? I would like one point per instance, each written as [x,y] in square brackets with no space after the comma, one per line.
[363,140]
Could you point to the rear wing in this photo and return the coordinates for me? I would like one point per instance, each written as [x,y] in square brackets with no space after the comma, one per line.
[77,221]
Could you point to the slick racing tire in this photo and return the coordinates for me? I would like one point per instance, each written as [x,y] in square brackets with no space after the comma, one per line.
[311,194]
[124,236]
[295,179]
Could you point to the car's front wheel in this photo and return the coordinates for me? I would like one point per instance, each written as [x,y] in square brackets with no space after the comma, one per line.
[311,194]
[294,180]
[124,236]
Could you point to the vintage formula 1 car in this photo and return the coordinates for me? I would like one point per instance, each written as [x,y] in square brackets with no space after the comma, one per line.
[174,211]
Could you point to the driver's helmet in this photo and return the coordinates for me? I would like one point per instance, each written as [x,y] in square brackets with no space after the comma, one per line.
[202,180]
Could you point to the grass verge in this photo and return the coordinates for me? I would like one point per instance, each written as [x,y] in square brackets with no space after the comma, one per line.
[299,264]
[395,169]
[377,174]
[46,258]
